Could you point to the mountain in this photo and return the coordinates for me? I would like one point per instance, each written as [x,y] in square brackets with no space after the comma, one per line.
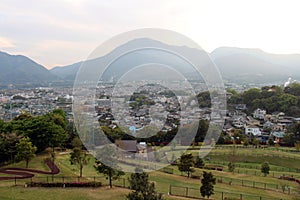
[236,65]
[242,65]
[18,69]
[66,72]
[135,59]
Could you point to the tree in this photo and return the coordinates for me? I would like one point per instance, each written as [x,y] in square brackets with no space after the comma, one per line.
[8,143]
[25,150]
[186,162]
[231,166]
[80,158]
[271,141]
[199,162]
[110,168]
[76,142]
[143,190]
[208,181]
[297,145]
[265,168]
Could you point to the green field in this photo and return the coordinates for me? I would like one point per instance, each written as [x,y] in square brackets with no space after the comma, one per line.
[247,161]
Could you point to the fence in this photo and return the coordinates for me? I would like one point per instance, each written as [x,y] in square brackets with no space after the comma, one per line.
[241,182]
[195,193]
[52,179]
[289,150]
[255,155]
[245,166]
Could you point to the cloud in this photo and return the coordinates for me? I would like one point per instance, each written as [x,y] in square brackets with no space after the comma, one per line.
[6,43]
[47,29]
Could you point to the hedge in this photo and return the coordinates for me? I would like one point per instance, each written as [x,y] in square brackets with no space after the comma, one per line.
[66,184]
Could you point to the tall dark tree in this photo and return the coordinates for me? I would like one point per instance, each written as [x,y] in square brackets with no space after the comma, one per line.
[199,162]
[107,164]
[186,163]
[265,168]
[208,181]
[142,188]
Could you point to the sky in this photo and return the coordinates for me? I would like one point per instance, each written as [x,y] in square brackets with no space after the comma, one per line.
[62,32]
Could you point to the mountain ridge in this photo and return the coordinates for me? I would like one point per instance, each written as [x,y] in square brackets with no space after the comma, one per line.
[238,65]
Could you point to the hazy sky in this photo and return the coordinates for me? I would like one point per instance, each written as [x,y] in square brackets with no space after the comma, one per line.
[61,32]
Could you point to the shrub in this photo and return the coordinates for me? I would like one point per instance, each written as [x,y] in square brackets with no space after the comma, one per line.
[67,184]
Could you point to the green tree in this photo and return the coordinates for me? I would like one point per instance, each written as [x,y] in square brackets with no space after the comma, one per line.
[250,95]
[271,141]
[110,168]
[186,163]
[208,181]
[76,142]
[80,158]
[25,150]
[8,143]
[142,188]
[231,166]
[297,145]
[199,162]
[265,168]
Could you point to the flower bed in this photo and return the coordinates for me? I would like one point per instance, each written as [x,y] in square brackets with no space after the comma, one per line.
[66,184]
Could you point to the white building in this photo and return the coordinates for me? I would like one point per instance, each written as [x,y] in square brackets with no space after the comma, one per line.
[259,113]
[252,130]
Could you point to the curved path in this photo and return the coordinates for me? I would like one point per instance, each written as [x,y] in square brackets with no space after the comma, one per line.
[21,173]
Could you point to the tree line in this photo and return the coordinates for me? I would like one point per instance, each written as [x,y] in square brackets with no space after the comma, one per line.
[26,135]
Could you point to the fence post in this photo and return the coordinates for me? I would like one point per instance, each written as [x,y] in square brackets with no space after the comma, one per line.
[15,180]
[63,179]
[170,190]
[222,196]
[241,196]
[187,192]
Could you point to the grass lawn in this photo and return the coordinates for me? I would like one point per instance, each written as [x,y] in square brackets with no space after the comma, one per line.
[162,180]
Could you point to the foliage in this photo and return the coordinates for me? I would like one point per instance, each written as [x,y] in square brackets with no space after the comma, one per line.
[142,189]
[208,181]
[186,162]
[271,141]
[297,145]
[204,100]
[107,164]
[25,150]
[80,158]
[270,98]
[265,168]
[76,142]
[231,166]
[199,162]
[8,143]
[65,184]
[44,131]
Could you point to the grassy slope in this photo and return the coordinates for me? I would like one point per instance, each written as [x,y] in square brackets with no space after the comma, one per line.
[162,181]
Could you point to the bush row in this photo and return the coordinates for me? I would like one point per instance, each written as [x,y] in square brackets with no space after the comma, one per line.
[66,184]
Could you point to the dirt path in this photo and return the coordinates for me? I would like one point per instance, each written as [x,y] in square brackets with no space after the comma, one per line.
[22,173]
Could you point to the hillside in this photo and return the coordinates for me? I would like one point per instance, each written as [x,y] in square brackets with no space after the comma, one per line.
[18,69]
